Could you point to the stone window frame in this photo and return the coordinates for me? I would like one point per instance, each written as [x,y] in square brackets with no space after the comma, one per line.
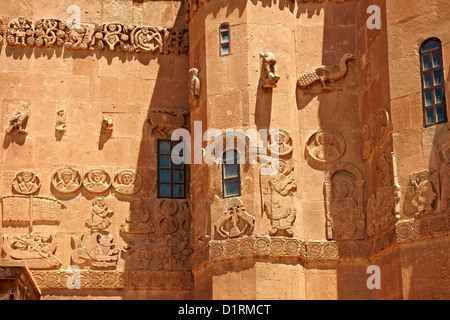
[434,106]
[224,43]
[237,178]
[171,170]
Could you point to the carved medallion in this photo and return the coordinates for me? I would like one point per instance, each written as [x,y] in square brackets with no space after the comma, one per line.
[26,182]
[168,223]
[127,182]
[146,39]
[96,181]
[325,146]
[381,126]
[280,142]
[66,180]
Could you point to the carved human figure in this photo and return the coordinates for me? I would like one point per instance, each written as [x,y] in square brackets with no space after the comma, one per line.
[60,124]
[424,195]
[97,249]
[235,221]
[325,146]
[381,126]
[26,182]
[281,142]
[367,142]
[107,125]
[99,220]
[36,249]
[126,182]
[277,198]
[194,87]
[138,220]
[66,180]
[269,70]
[347,219]
[96,181]
[18,122]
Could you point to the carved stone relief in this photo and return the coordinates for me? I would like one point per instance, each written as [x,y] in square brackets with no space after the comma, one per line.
[37,250]
[66,180]
[269,70]
[165,120]
[47,33]
[381,126]
[194,87]
[96,180]
[277,198]
[107,125]
[96,248]
[344,201]
[60,124]
[138,220]
[381,207]
[280,143]
[420,195]
[26,182]
[20,32]
[18,122]
[325,146]
[327,73]
[127,182]
[235,221]
[442,174]
[2,31]
[367,142]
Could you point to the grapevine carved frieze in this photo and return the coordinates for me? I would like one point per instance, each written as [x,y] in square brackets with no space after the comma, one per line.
[24,32]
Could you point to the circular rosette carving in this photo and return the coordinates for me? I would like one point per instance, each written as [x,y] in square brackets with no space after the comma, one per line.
[96,181]
[262,246]
[405,231]
[168,207]
[26,182]
[127,182]
[330,251]
[146,39]
[437,225]
[325,146]
[381,126]
[216,250]
[231,248]
[66,180]
[314,250]
[247,246]
[293,247]
[280,142]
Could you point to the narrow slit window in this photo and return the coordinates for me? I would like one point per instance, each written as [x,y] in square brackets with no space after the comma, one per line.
[224,34]
[171,177]
[231,174]
[433,91]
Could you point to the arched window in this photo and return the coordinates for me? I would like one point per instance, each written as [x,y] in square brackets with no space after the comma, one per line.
[231,183]
[224,34]
[433,91]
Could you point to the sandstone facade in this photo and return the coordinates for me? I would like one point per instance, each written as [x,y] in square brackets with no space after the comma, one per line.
[91,207]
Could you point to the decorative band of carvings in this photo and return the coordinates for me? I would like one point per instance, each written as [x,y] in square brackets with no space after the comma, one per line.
[264,246]
[47,33]
[278,248]
[114,279]
[409,230]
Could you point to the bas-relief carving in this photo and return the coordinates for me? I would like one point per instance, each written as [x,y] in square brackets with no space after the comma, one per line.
[194,87]
[20,32]
[325,146]
[326,73]
[26,182]
[367,142]
[97,248]
[47,33]
[154,241]
[375,132]
[280,143]
[381,207]
[60,124]
[2,31]
[66,180]
[37,250]
[344,201]
[269,70]
[107,125]
[235,221]
[420,195]
[96,181]
[127,182]
[164,120]
[277,198]
[18,122]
